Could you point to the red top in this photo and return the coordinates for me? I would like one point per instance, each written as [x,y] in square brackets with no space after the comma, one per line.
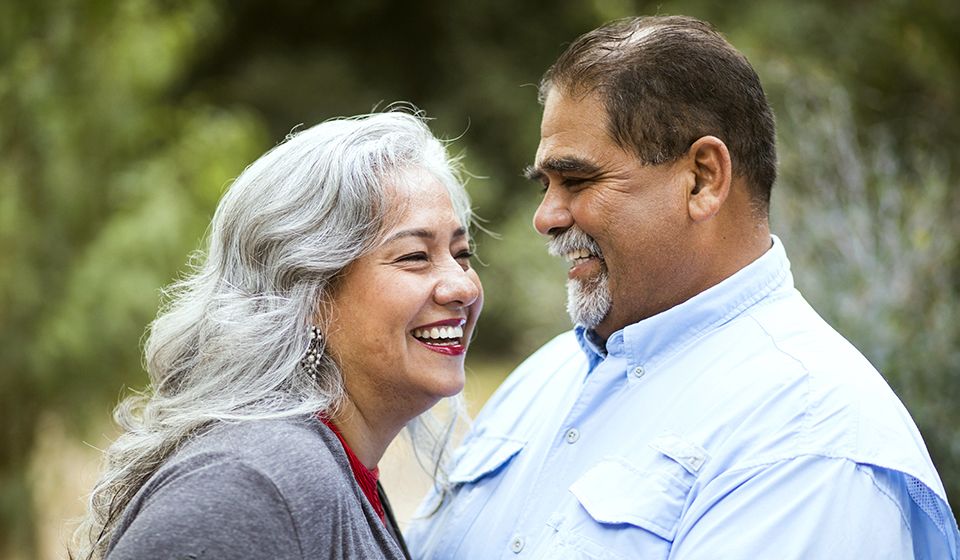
[366,478]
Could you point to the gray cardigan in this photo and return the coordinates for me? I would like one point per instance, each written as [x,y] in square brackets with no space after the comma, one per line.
[272,489]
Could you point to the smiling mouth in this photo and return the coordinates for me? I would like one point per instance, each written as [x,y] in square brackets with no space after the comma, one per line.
[443,337]
[583,263]
[439,336]
[579,256]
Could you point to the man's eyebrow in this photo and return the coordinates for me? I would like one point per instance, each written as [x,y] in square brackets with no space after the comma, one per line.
[423,234]
[532,173]
[562,165]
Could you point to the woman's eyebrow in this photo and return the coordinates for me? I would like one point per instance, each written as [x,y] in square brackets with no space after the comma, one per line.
[423,234]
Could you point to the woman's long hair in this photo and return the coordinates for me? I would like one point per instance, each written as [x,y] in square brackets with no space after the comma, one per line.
[227,343]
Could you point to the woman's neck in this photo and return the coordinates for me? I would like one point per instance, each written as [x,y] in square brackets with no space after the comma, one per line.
[367,435]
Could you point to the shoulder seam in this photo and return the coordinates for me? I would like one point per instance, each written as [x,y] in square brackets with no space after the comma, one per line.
[807,414]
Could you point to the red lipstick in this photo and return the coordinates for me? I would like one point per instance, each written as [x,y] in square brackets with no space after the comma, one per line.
[448,345]
[458,322]
[452,350]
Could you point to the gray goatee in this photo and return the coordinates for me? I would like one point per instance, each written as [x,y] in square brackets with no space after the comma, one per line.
[588,301]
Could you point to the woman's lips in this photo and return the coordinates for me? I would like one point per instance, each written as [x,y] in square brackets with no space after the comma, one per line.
[456,349]
[443,337]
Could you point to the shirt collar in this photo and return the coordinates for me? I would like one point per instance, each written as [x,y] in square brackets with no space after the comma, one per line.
[649,341]
[591,345]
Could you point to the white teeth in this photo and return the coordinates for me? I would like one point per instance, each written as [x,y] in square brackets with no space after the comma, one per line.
[578,254]
[439,332]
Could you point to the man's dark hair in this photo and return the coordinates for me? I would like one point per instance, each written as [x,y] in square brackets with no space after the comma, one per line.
[665,82]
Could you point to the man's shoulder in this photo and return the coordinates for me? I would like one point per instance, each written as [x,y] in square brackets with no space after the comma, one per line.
[820,387]
[795,329]
[785,341]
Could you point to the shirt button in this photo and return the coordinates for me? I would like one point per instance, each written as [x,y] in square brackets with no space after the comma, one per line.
[638,372]
[573,435]
[516,545]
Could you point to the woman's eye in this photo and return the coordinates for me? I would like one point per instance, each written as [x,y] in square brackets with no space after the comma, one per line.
[413,257]
[464,255]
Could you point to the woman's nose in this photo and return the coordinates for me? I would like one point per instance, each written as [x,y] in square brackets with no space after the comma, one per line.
[553,215]
[457,286]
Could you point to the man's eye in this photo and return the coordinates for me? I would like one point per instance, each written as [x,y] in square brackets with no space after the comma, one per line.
[573,181]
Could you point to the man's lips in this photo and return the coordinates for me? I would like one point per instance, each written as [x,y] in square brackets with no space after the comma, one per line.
[590,266]
[584,262]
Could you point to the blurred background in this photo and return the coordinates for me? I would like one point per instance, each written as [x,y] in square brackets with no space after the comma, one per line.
[121,123]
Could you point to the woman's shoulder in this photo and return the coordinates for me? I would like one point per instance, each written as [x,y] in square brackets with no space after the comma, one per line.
[290,451]
[293,460]
[251,438]
[278,471]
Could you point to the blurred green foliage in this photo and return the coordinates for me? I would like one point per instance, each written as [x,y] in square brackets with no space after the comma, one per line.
[122,122]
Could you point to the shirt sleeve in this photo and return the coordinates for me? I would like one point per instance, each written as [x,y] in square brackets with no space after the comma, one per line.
[805,507]
[222,510]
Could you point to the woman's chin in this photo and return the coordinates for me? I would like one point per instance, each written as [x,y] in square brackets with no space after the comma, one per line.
[451,388]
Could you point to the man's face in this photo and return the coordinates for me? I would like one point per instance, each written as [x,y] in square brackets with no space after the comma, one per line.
[621,223]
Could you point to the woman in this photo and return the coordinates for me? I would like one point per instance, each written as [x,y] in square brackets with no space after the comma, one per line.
[334,306]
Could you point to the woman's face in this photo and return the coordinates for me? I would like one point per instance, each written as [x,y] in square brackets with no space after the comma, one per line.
[404,313]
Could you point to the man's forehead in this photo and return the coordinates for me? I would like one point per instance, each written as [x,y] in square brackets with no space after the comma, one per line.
[563,111]
[574,135]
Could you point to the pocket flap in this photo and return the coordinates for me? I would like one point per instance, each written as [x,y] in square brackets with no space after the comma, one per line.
[482,456]
[615,492]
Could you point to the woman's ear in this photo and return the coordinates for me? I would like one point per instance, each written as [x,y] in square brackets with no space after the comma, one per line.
[713,174]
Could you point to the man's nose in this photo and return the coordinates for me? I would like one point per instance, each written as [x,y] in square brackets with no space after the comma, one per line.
[553,215]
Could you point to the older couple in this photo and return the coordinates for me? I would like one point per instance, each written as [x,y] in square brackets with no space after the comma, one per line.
[699,409]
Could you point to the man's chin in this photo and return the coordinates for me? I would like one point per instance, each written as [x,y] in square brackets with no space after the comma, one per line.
[588,306]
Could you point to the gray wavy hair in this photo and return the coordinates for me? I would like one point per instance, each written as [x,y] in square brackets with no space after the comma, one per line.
[227,344]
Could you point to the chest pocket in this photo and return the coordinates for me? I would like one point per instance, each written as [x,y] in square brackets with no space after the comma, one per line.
[483,456]
[647,492]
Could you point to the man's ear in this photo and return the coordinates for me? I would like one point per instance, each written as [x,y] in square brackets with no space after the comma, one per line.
[713,174]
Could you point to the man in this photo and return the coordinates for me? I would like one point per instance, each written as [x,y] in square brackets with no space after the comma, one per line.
[700,408]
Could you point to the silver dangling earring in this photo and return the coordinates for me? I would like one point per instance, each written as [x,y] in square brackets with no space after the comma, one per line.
[311,362]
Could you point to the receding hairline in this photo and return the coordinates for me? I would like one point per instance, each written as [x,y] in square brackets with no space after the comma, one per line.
[581,83]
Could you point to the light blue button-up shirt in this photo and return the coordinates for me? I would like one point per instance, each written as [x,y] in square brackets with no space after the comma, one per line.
[735,425]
